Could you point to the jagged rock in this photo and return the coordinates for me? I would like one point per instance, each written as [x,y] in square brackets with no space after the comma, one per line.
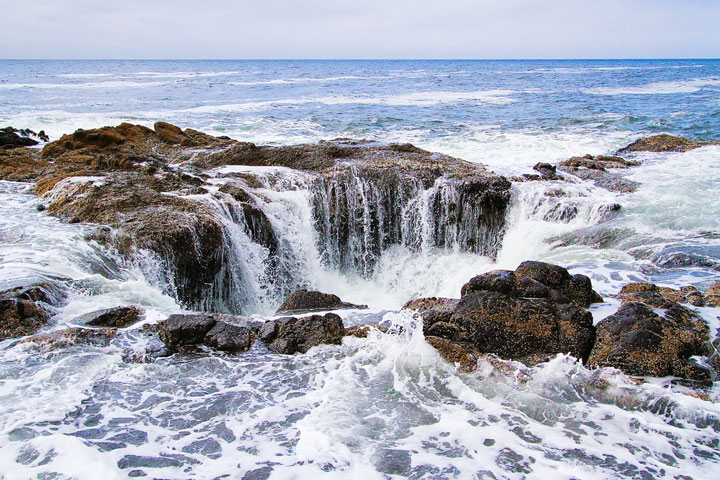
[49,292]
[184,330]
[639,342]
[291,335]
[12,138]
[303,301]
[537,280]
[431,303]
[664,143]
[602,178]
[693,296]
[599,162]
[712,295]
[547,171]
[454,353]
[67,337]
[117,317]
[229,338]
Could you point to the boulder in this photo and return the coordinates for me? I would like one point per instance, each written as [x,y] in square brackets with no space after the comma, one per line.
[594,168]
[291,335]
[229,338]
[117,317]
[185,330]
[516,327]
[12,138]
[303,301]
[454,353]
[640,342]
[537,280]
[546,170]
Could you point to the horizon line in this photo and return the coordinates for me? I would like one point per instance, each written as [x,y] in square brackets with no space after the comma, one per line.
[518,59]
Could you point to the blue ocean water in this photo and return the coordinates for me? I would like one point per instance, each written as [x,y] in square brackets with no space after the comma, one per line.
[387,406]
[461,105]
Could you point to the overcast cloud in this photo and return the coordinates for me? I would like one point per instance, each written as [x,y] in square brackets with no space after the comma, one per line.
[360,29]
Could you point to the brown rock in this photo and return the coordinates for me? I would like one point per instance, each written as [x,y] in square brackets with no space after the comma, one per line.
[99,337]
[639,342]
[117,317]
[712,295]
[454,353]
[20,317]
[664,143]
[362,331]
[291,335]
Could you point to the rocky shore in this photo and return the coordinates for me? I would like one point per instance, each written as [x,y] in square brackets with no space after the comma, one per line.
[160,190]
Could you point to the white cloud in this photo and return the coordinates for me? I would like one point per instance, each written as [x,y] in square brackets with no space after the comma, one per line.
[353,29]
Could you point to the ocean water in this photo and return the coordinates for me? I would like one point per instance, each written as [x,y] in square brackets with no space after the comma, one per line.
[386,406]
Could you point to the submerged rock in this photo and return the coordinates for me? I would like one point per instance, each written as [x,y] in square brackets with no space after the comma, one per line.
[67,337]
[12,137]
[303,301]
[118,317]
[291,335]
[640,342]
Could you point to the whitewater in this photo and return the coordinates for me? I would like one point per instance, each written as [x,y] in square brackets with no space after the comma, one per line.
[386,406]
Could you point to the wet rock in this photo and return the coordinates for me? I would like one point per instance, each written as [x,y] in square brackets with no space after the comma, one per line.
[602,178]
[693,296]
[184,330]
[118,317]
[537,280]
[291,335]
[12,138]
[639,342]
[516,327]
[599,162]
[229,338]
[664,143]
[362,331]
[547,171]
[20,317]
[711,297]
[431,303]
[21,165]
[303,301]
[48,292]
[454,353]
[654,296]
[67,337]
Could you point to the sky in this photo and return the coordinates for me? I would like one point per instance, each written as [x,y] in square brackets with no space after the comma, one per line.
[418,29]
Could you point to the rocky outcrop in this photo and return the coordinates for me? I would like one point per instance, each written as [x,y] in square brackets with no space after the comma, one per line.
[711,297]
[640,342]
[664,143]
[304,301]
[12,137]
[68,337]
[214,331]
[594,168]
[292,335]
[117,317]
[527,314]
[659,297]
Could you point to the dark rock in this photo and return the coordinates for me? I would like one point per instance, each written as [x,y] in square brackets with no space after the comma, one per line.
[654,296]
[513,327]
[603,179]
[291,335]
[547,171]
[639,342]
[303,301]
[119,317]
[229,338]
[20,317]
[183,330]
[536,280]
[13,138]
[431,303]
[664,143]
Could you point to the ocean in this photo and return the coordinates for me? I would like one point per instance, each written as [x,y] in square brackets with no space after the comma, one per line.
[387,406]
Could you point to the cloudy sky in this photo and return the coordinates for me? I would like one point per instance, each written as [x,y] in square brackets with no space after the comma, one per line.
[360,29]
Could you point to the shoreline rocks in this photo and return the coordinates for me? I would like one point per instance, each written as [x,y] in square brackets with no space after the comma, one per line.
[292,335]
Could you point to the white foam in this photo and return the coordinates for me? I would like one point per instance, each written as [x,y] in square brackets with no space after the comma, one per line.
[658,88]
[72,86]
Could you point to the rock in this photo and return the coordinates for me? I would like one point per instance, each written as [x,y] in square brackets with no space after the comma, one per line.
[184,330]
[599,162]
[639,342]
[229,338]
[693,296]
[454,353]
[431,303]
[654,296]
[20,317]
[664,143]
[67,337]
[12,138]
[303,301]
[291,335]
[516,327]
[595,168]
[547,171]
[537,280]
[712,295]
[362,331]
[118,317]
[48,292]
